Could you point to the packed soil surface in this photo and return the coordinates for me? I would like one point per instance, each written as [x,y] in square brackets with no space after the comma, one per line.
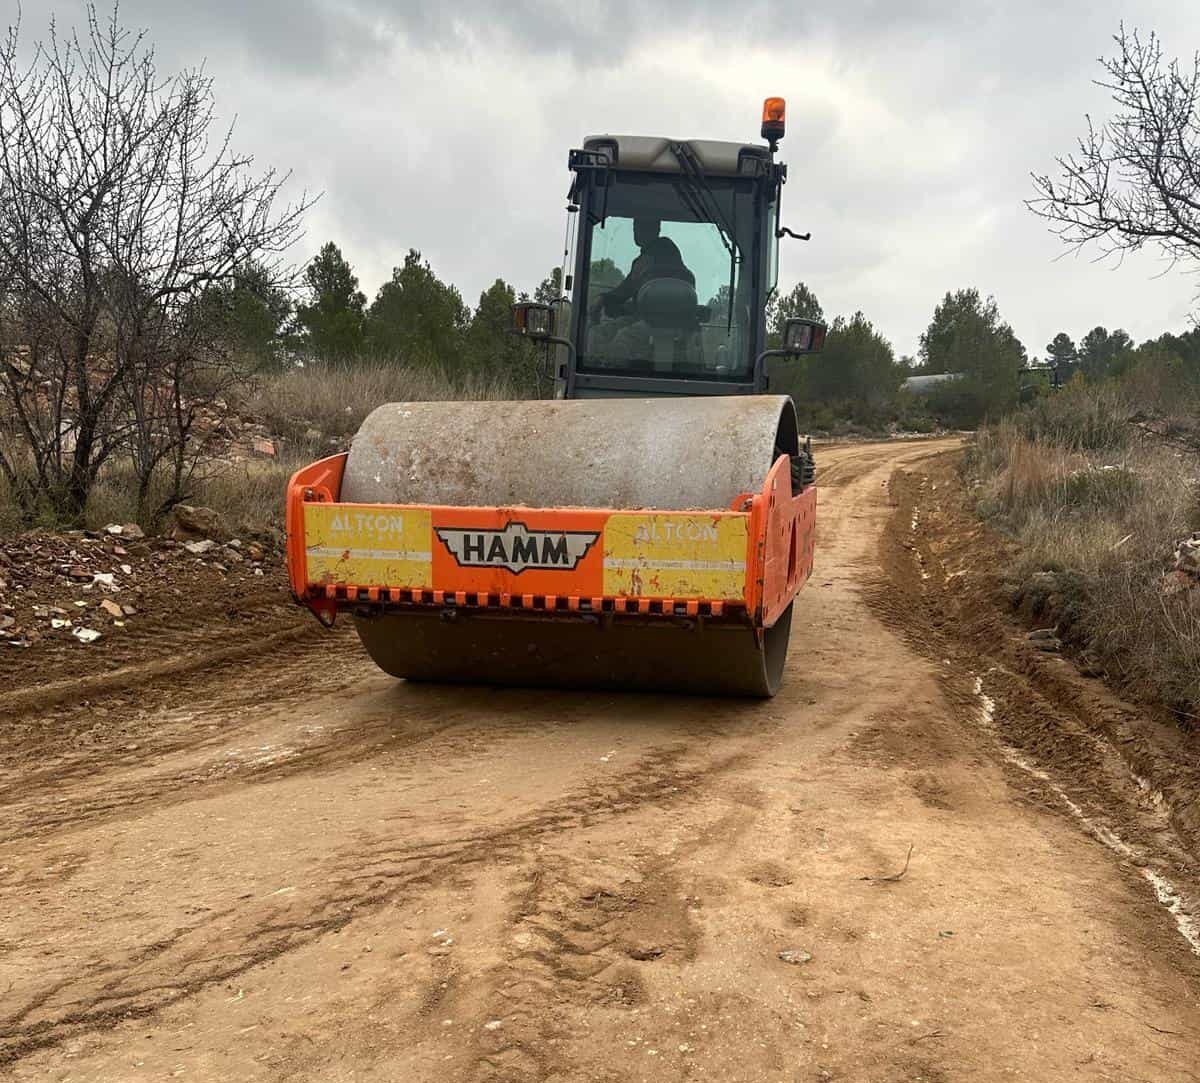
[86,612]
[938,854]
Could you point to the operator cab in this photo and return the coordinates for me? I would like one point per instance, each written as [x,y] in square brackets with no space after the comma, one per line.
[675,255]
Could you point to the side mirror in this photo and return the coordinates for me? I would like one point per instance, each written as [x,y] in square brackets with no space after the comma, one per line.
[531,319]
[803,337]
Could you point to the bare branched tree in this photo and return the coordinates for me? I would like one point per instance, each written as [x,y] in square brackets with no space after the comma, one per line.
[1134,180]
[121,204]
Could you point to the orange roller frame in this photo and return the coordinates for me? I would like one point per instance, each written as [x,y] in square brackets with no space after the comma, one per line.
[743,563]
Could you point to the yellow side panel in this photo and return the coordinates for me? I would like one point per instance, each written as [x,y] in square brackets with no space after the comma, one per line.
[675,556]
[368,547]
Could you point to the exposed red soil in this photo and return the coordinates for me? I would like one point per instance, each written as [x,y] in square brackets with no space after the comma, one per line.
[944,587]
[284,865]
[155,605]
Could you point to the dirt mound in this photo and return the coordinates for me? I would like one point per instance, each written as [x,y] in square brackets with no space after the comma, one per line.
[88,609]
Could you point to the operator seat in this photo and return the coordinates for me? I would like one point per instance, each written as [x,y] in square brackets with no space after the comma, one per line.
[669,306]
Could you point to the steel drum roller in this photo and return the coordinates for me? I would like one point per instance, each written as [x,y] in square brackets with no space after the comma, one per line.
[695,453]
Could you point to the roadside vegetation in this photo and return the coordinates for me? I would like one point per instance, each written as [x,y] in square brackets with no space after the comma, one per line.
[149,358]
[1103,496]
[296,414]
[1100,482]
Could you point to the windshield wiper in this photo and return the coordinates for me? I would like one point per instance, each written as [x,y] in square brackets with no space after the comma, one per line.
[702,202]
[700,196]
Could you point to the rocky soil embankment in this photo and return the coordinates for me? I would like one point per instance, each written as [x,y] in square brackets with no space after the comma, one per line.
[83,603]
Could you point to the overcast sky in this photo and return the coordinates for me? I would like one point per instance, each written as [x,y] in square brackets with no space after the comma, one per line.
[912,129]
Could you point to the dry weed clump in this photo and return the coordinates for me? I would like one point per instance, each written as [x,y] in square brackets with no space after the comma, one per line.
[248,493]
[1099,520]
[1149,637]
[1082,417]
[333,402]
[308,411]
[10,516]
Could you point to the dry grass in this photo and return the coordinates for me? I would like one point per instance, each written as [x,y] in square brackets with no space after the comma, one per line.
[1081,417]
[10,520]
[334,402]
[306,410]
[1152,639]
[248,494]
[1107,519]
[1071,508]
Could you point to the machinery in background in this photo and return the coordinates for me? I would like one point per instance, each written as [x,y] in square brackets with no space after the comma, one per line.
[647,528]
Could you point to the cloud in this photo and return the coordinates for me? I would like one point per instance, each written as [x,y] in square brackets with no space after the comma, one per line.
[913,128]
[308,39]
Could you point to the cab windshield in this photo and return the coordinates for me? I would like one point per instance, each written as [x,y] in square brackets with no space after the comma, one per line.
[670,277]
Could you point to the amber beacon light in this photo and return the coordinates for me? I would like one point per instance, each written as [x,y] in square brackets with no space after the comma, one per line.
[773,120]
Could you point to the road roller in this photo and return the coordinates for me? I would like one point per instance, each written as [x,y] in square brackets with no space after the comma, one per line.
[648,527]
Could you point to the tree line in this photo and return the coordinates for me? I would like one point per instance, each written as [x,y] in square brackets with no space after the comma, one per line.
[857,380]
[1102,354]
[415,319]
[144,282]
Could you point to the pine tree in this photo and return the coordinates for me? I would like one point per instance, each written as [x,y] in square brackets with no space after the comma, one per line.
[417,317]
[251,311]
[857,364]
[332,320]
[799,303]
[550,288]
[1061,352]
[967,336]
[1100,352]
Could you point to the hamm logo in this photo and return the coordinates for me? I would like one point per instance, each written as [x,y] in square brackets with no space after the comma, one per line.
[517,548]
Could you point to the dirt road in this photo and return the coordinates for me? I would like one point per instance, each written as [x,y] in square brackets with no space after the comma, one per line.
[292,867]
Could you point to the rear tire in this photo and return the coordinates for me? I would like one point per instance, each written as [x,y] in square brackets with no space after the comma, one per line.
[804,471]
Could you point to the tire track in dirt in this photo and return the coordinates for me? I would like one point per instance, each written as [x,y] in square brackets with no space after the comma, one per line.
[181,655]
[49,720]
[229,703]
[1079,749]
[182,964]
[608,880]
[580,933]
[185,610]
[92,743]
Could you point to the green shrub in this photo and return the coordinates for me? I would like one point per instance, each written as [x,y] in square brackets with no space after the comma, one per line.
[1080,417]
[1101,488]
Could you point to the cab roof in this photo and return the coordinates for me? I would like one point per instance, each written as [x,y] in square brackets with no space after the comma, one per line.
[653,154]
